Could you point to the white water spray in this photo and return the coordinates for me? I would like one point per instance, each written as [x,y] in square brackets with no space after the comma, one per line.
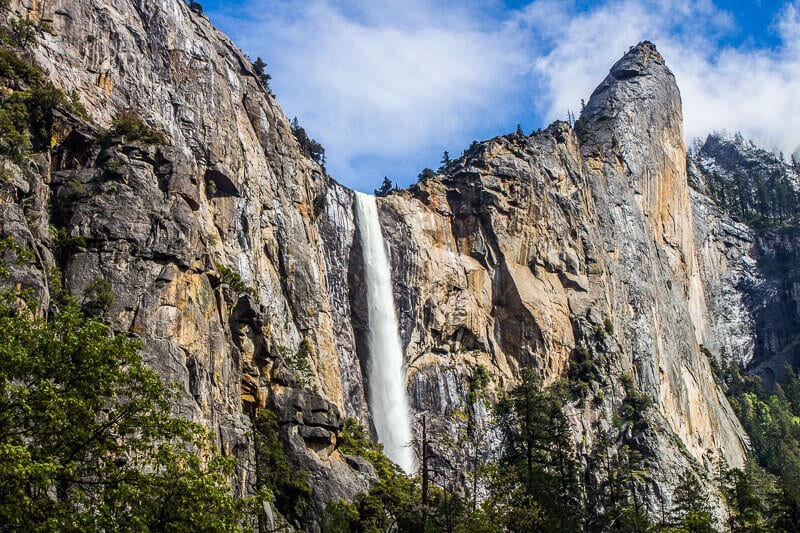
[388,401]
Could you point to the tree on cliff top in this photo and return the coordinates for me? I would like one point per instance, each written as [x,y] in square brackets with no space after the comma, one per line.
[308,146]
[385,188]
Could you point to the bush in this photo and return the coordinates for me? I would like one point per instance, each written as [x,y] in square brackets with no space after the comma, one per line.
[390,504]
[131,127]
[290,488]
[298,361]
[14,69]
[98,297]
[232,279]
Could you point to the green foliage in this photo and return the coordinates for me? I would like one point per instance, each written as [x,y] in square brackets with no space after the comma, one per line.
[612,502]
[446,162]
[355,441]
[385,188]
[298,361]
[78,188]
[320,203]
[196,7]
[97,298]
[391,502]
[745,504]
[12,251]
[582,373]
[87,441]
[635,406]
[261,74]
[426,174]
[536,485]
[690,509]
[759,200]
[66,243]
[211,188]
[308,146]
[15,70]
[288,486]
[20,32]
[539,460]
[232,279]
[27,104]
[772,421]
[129,125]
[479,380]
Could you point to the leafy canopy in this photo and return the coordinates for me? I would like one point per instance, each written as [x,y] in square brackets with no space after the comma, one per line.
[87,441]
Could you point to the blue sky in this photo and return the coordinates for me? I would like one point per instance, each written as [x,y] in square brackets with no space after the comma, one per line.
[387,86]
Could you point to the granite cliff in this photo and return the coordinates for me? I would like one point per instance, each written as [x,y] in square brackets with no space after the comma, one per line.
[235,258]
[745,203]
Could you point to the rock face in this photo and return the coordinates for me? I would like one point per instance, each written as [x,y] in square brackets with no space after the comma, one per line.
[234,258]
[750,271]
[522,251]
[219,246]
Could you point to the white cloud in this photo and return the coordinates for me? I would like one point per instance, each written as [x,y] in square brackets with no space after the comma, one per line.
[387,80]
[754,91]
[386,85]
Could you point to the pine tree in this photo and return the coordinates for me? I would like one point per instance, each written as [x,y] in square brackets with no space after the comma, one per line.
[445,163]
[539,454]
[690,509]
[259,68]
[745,507]
[385,188]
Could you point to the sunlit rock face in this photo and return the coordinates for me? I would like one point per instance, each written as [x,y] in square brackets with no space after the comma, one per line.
[236,261]
[521,251]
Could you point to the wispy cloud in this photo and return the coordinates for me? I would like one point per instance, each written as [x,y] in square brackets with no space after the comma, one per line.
[387,82]
[387,85]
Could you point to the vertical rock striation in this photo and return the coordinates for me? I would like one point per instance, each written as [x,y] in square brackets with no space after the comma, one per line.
[528,251]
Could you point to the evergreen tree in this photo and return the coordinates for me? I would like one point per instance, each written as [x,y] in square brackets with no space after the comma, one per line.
[87,441]
[259,68]
[690,509]
[445,163]
[385,188]
[539,453]
[308,146]
[425,174]
[745,507]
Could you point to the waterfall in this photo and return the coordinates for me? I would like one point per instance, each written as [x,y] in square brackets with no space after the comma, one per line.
[388,401]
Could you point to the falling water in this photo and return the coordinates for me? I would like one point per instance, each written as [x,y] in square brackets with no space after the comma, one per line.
[388,400]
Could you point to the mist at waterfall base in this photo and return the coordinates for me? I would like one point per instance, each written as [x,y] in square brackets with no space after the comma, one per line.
[388,400]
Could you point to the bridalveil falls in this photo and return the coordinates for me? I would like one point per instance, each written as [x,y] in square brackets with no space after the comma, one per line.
[388,401]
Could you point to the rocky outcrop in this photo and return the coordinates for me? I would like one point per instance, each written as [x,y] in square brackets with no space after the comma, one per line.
[526,247]
[233,257]
[744,200]
[215,244]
